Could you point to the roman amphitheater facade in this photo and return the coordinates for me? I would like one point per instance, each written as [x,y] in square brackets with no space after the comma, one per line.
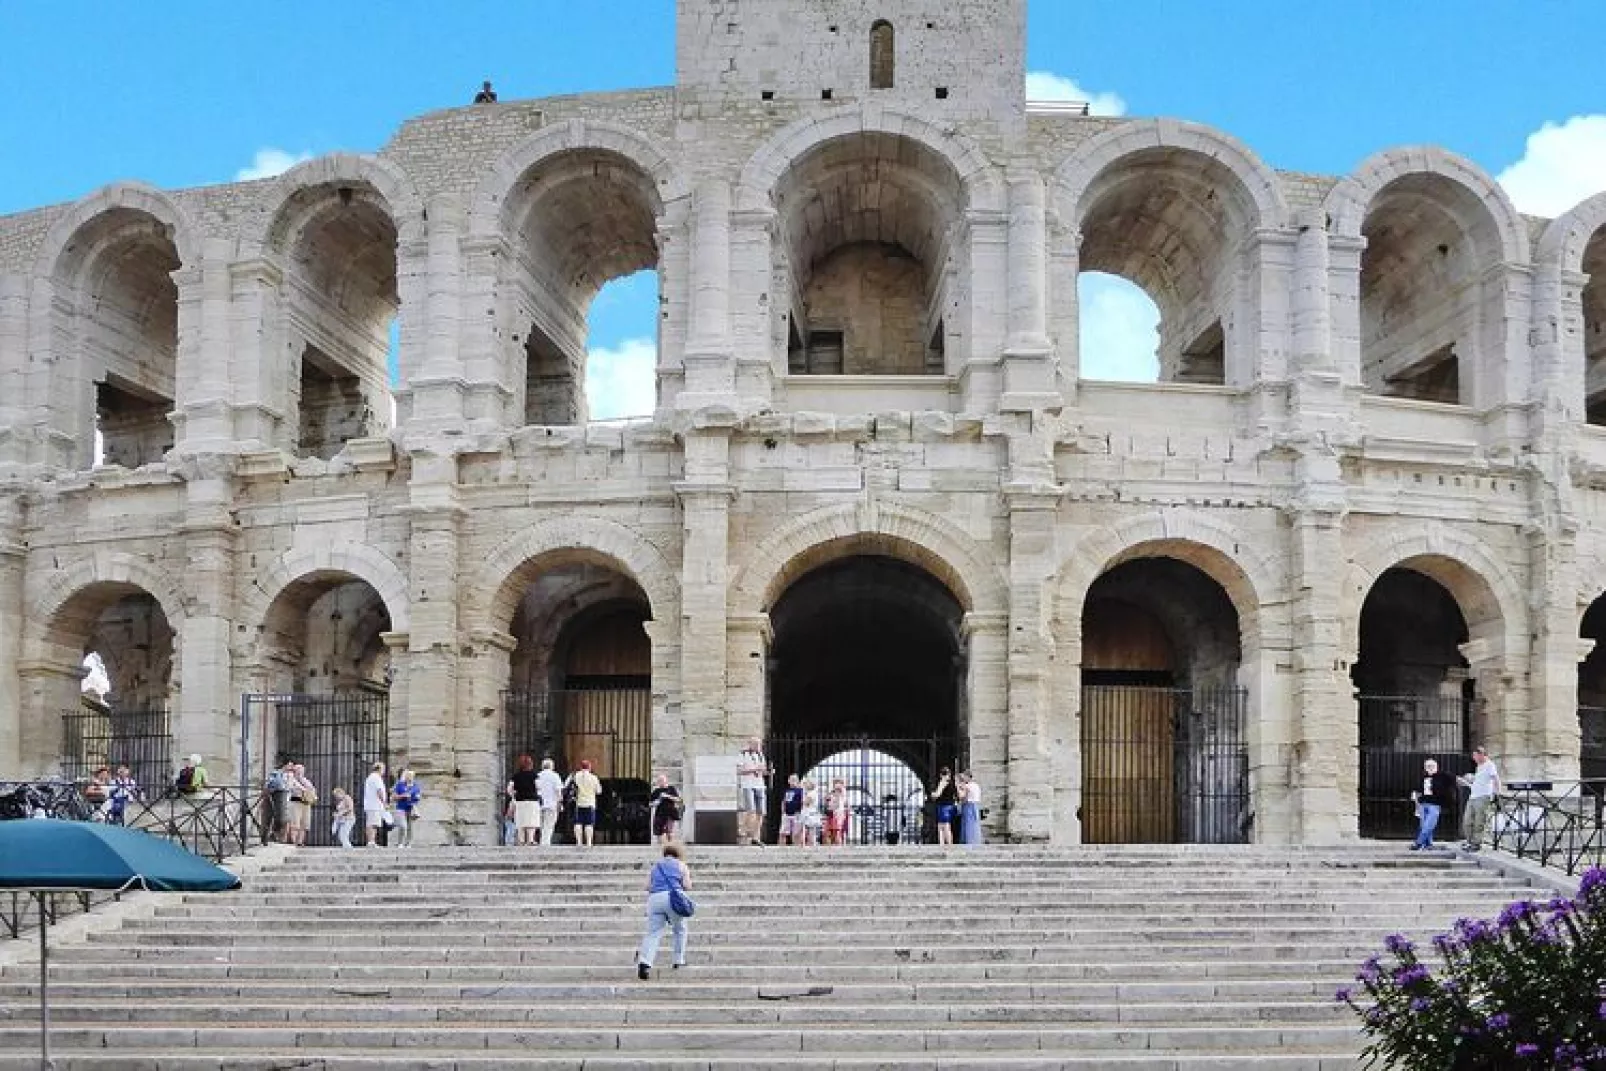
[876,497]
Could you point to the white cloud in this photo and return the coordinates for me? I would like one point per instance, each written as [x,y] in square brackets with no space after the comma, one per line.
[1563,164]
[1048,86]
[1120,330]
[621,381]
[269,162]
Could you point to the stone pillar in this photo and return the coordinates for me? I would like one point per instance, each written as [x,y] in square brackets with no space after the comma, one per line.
[1032,515]
[14,424]
[668,722]
[1319,731]
[432,395]
[201,399]
[983,323]
[13,615]
[469,791]
[755,305]
[207,719]
[710,726]
[49,690]
[986,637]
[710,371]
[1028,381]
[489,384]
[1259,353]
[397,742]
[426,713]
[1554,736]
[1500,719]
[259,358]
[1344,306]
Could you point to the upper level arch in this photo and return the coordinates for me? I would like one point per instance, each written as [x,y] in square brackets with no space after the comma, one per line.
[336,230]
[304,565]
[1173,208]
[574,207]
[871,223]
[1430,309]
[1571,260]
[111,323]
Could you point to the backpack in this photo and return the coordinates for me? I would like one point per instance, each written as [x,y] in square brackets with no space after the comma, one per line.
[185,781]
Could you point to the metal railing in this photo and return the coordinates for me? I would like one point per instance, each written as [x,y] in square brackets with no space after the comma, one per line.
[216,823]
[1553,823]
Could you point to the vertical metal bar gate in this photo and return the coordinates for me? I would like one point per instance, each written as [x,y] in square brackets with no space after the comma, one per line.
[1398,733]
[609,727]
[336,737]
[141,739]
[886,778]
[1164,765]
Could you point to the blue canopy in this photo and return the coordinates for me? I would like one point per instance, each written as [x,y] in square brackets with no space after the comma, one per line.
[46,853]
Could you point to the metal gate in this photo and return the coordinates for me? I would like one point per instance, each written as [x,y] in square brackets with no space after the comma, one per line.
[1592,747]
[1164,765]
[610,727]
[336,737]
[1398,734]
[886,780]
[94,736]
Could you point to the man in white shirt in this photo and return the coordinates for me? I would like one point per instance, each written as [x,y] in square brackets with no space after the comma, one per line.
[549,786]
[374,796]
[752,772]
[1485,785]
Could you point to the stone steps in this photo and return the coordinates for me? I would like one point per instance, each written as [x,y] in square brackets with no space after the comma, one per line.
[1137,959]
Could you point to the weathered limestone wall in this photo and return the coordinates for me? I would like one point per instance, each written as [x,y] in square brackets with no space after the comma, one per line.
[260,501]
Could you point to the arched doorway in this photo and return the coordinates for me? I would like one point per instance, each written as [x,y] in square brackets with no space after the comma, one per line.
[113,651]
[1414,693]
[324,668]
[866,678]
[1163,734]
[580,686]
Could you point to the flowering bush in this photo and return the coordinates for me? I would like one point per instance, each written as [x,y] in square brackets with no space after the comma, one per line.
[1527,990]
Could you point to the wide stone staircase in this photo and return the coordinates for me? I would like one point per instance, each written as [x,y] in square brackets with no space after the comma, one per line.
[1130,958]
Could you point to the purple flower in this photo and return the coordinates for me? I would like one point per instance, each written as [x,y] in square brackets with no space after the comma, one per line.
[1593,879]
[1517,912]
[1398,944]
[1411,975]
[1445,944]
[1601,1012]
[1499,1022]
[1370,970]
[1419,1005]
[1527,1049]
[1343,997]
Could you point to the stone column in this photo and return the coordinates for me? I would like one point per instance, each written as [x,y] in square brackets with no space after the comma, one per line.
[668,721]
[986,638]
[13,614]
[1554,737]
[1320,732]
[755,304]
[202,389]
[1032,514]
[49,690]
[1028,381]
[749,638]
[1500,719]
[207,719]
[710,726]
[481,770]
[1344,306]
[426,712]
[14,430]
[983,321]
[710,371]
[259,358]
[432,395]
[489,387]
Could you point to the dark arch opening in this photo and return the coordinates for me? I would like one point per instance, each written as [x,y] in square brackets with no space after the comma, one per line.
[1414,696]
[1162,726]
[1592,696]
[883,55]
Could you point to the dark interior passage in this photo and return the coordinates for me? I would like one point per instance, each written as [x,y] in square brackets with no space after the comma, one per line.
[867,645]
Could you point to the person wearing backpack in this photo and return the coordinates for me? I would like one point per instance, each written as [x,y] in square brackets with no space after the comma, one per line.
[191,777]
[278,788]
[668,907]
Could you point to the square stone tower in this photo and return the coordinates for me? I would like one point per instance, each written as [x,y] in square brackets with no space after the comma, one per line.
[960,58]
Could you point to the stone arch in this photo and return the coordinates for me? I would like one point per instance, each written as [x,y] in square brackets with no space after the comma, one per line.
[573,134]
[764,169]
[913,535]
[1077,173]
[1347,203]
[500,582]
[130,196]
[1561,246]
[395,188]
[355,560]
[1216,548]
[105,567]
[1490,597]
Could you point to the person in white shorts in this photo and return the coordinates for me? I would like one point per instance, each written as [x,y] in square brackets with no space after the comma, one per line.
[374,811]
[549,786]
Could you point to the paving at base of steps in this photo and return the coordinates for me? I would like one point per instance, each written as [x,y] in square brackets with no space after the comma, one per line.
[1134,958]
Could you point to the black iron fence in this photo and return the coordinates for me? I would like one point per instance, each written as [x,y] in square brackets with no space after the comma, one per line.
[1398,733]
[609,727]
[1556,824]
[336,737]
[1592,746]
[1164,765]
[140,739]
[886,780]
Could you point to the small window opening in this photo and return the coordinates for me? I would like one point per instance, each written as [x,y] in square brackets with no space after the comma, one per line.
[942,92]
[825,94]
[883,56]
[824,357]
[333,407]
[767,94]
[131,423]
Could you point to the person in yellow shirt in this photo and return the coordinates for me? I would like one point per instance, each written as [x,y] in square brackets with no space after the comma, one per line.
[586,790]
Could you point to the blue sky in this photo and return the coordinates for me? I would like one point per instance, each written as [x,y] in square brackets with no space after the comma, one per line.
[186,92]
